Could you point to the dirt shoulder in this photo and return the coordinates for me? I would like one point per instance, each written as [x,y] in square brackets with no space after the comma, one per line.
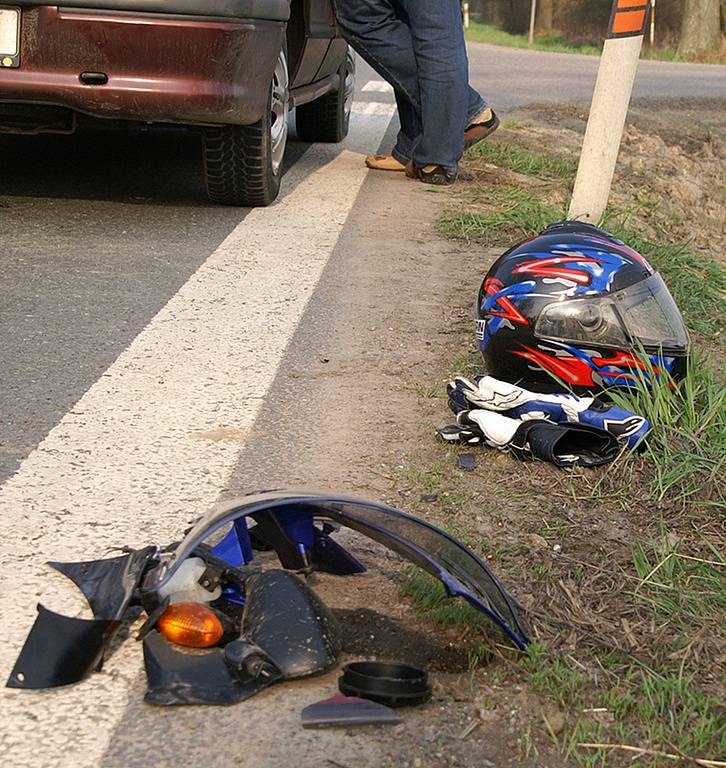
[351,412]
[671,174]
[624,587]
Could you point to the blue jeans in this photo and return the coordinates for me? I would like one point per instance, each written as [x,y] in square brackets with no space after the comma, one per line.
[418,47]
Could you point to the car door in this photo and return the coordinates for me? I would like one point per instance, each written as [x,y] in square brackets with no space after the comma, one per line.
[320,30]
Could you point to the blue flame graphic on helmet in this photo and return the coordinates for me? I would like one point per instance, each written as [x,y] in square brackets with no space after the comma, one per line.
[581,269]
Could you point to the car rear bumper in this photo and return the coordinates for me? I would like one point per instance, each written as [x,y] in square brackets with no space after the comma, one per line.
[160,67]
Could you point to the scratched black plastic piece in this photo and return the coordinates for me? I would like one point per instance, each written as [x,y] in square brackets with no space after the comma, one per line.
[287,633]
[60,650]
[109,584]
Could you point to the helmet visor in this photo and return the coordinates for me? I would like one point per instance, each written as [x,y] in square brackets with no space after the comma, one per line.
[642,313]
[650,315]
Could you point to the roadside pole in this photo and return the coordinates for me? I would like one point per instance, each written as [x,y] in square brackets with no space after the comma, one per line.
[532,16]
[609,109]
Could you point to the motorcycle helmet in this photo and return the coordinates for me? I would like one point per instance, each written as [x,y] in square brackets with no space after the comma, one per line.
[578,305]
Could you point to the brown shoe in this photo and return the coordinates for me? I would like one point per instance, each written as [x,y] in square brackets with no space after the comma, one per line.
[384,163]
[483,125]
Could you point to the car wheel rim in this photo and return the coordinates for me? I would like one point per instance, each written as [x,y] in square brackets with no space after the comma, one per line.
[349,85]
[280,105]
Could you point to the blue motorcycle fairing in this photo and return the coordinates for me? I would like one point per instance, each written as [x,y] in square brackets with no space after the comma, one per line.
[458,568]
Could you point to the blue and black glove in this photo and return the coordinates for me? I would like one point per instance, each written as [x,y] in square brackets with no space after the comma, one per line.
[493,395]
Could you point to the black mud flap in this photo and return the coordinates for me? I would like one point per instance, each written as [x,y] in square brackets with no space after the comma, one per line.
[60,650]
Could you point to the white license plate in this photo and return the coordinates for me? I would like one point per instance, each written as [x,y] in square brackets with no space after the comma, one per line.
[9,36]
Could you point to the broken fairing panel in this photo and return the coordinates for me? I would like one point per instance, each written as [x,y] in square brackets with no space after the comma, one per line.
[287,520]
[274,626]
[108,585]
[60,650]
[287,632]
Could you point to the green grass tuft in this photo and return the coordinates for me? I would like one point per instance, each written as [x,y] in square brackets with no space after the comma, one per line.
[687,441]
[432,603]
[681,589]
[515,214]
[523,161]
[662,708]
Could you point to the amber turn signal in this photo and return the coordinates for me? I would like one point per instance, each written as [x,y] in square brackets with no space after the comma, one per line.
[190,624]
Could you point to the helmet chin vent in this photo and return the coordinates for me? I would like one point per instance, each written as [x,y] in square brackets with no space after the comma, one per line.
[479,332]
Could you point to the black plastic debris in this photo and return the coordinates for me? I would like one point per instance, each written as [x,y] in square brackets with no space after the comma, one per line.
[108,585]
[386,682]
[466,461]
[270,625]
[287,632]
[343,711]
[60,650]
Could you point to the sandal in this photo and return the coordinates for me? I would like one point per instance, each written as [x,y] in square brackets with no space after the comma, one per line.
[484,124]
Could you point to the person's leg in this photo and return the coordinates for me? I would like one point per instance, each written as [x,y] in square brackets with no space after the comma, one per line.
[379,30]
[406,139]
[475,106]
[375,30]
[410,131]
[443,75]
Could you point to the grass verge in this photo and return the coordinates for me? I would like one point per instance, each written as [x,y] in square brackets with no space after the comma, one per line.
[616,704]
[521,160]
[629,616]
[485,33]
[514,213]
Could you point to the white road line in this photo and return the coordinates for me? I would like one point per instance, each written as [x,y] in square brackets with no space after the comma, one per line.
[140,455]
[373,108]
[377,86]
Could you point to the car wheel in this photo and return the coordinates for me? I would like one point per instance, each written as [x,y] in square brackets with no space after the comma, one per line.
[328,118]
[243,163]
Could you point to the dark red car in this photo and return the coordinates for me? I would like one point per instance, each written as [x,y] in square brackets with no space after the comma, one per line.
[232,67]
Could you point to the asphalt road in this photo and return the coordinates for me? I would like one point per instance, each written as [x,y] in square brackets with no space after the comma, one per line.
[512,77]
[99,230]
[143,334]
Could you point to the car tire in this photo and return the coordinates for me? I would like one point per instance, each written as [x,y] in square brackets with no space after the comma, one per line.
[327,119]
[243,163]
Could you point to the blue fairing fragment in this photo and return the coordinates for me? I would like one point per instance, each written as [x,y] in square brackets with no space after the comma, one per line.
[298,525]
[235,548]
[435,551]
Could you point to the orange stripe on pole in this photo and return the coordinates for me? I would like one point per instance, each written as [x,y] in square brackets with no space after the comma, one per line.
[628,21]
[630,4]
